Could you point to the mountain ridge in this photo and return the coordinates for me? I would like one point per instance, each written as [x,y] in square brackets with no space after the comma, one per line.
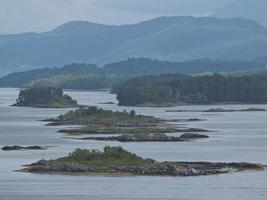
[164,38]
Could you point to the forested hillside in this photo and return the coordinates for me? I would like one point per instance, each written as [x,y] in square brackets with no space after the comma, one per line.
[89,76]
[177,89]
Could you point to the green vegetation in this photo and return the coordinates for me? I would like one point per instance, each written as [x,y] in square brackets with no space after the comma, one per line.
[177,89]
[111,156]
[118,161]
[45,97]
[89,76]
[98,121]
[87,115]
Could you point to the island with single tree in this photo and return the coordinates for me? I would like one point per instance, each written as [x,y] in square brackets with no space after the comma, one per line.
[45,97]
[116,161]
[130,126]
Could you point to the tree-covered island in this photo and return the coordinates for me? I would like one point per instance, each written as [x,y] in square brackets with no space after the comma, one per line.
[45,97]
[118,161]
[169,90]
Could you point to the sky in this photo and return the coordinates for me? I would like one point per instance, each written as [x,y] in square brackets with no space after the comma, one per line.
[19,16]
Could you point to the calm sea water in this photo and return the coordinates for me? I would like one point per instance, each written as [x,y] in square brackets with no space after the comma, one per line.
[238,136]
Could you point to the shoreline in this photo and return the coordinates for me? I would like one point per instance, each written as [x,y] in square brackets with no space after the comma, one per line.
[258,168]
[192,104]
[118,161]
[132,175]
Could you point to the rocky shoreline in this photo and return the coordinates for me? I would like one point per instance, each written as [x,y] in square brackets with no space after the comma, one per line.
[160,137]
[123,163]
[129,126]
[218,110]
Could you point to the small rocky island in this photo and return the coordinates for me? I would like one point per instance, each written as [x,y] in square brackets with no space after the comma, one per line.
[218,110]
[115,161]
[16,148]
[45,97]
[150,137]
[130,126]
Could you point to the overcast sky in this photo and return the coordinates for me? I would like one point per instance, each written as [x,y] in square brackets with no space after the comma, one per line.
[17,16]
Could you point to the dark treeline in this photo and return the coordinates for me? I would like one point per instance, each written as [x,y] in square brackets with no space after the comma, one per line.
[82,76]
[142,66]
[178,89]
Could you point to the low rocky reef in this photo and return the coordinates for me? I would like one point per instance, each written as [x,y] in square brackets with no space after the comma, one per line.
[240,110]
[115,161]
[108,103]
[45,97]
[152,137]
[217,110]
[129,125]
[16,148]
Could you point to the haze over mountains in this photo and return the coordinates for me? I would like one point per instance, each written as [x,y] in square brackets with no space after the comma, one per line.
[250,9]
[164,38]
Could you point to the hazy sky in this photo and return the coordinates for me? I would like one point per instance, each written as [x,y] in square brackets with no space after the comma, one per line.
[18,16]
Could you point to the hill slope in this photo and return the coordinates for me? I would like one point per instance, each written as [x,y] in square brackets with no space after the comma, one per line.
[84,76]
[165,38]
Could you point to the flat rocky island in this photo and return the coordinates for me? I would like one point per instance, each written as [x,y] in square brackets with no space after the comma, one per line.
[150,137]
[218,110]
[16,148]
[45,97]
[130,126]
[116,161]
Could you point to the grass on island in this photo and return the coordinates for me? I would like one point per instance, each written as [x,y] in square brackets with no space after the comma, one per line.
[116,160]
[111,156]
[99,116]
[98,121]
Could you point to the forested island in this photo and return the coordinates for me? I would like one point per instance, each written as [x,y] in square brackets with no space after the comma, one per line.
[45,97]
[130,126]
[169,90]
[118,161]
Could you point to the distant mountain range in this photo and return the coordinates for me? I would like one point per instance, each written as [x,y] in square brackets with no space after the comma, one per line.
[164,38]
[250,9]
[85,73]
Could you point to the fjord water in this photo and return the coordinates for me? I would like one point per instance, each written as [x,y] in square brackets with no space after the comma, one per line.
[237,136]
